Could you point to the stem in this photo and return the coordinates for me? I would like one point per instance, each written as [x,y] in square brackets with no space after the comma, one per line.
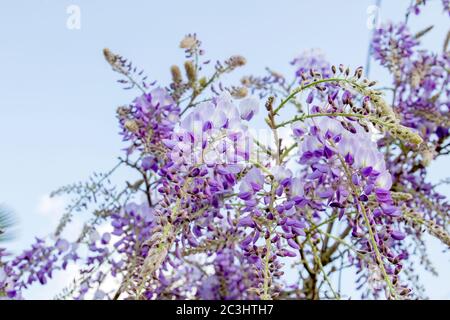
[288,150]
[278,158]
[309,85]
[371,233]
[329,114]
[195,94]
[319,264]
[266,295]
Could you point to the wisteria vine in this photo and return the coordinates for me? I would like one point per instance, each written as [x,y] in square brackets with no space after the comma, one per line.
[335,179]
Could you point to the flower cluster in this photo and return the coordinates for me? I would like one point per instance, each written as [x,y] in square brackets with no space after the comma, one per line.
[313,59]
[423,98]
[212,135]
[150,118]
[392,45]
[348,170]
[230,280]
[36,264]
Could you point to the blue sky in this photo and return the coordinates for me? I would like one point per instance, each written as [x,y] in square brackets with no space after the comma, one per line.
[58,96]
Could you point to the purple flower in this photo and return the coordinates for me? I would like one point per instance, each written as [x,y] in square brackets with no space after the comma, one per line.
[391,211]
[150,119]
[106,237]
[311,59]
[246,222]
[248,108]
[293,244]
[397,235]
[62,245]
[281,173]
[393,44]
[149,163]
[383,195]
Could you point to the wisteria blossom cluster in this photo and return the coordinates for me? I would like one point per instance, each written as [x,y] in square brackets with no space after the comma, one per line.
[266,189]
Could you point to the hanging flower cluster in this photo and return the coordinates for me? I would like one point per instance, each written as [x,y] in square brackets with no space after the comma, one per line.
[313,59]
[150,118]
[392,45]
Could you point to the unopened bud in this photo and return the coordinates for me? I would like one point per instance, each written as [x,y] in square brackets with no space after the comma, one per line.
[132,126]
[239,92]
[188,42]
[236,61]
[110,57]
[190,71]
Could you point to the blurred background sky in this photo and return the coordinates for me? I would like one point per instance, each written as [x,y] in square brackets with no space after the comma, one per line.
[58,96]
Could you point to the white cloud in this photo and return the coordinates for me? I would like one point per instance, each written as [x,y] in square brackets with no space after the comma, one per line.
[51,206]
[51,210]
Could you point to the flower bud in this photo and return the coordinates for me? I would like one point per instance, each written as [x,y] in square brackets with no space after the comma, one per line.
[176,74]
[190,71]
